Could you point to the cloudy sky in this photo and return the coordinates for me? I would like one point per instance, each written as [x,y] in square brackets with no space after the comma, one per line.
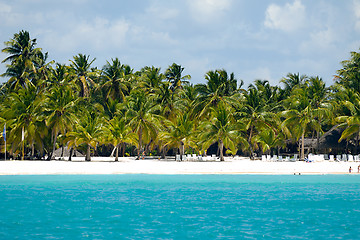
[260,39]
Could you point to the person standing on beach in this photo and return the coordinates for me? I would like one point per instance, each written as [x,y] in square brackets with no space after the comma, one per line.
[350,169]
[359,169]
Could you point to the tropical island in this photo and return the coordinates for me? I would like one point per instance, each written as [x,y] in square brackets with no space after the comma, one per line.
[114,109]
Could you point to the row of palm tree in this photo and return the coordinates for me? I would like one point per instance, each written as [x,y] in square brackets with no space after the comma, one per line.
[47,105]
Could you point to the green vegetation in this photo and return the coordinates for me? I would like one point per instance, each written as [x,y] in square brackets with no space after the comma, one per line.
[92,110]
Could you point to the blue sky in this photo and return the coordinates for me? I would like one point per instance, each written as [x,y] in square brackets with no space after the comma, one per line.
[258,39]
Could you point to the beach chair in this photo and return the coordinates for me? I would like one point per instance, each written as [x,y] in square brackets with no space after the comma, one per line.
[356,158]
[177,157]
[287,159]
[274,158]
[280,159]
[350,158]
[194,157]
[268,158]
[344,157]
[338,158]
[331,158]
[213,157]
[263,158]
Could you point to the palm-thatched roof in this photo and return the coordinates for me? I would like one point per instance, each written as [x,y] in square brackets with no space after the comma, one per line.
[58,152]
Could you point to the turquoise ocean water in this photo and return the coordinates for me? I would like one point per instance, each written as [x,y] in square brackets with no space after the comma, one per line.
[180,207]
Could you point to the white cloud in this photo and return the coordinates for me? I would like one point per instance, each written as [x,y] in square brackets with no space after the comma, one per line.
[162,12]
[287,18]
[207,10]
[356,8]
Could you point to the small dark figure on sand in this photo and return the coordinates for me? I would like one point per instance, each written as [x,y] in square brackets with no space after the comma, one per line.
[359,169]
[350,169]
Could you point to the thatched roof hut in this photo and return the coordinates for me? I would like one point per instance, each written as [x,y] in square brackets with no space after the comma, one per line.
[66,153]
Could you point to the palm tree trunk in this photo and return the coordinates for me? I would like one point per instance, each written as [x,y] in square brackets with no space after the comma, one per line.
[181,149]
[88,157]
[139,145]
[221,148]
[302,154]
[71,153]
[117,153]
[250,146]
[54,145]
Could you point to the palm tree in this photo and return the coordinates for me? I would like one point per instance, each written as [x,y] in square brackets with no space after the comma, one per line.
[81,65]
[118,132]
[151,79]
[116,79]
[255,112]
[178,133]
[23,57]
[174,75]
[293,80]
[59,109]
[349,75]
[319,99]
[299,116]
[22,111]
[88,131]
[139,110]
[220,128]
[220,88]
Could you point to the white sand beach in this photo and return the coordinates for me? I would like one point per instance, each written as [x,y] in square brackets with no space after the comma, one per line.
[131,166]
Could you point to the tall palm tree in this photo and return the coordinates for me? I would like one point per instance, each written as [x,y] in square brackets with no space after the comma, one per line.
[299,116]
[81,65]
[219,88]
[151,78]
[22,111]
[174,75]
[293,80]
[220,128]
[116,78]
[140,112]
[349,75]
[60,111]
[23,56]
[254,111]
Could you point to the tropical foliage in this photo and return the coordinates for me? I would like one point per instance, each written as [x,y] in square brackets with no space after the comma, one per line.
[96,110]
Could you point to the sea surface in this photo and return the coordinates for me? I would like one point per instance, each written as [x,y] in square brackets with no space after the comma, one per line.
[180,207]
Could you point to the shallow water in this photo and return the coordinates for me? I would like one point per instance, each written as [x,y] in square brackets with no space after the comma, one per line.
[180,207]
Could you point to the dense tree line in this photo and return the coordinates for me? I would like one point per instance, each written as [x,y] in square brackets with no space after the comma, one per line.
[47,105]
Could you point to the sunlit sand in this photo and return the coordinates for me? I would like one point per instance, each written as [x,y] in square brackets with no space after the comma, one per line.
[131,166]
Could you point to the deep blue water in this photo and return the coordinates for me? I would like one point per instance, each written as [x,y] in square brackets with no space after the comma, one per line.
[180,207]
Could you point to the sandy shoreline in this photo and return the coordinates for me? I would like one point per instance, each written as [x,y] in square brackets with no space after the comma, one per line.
[130,166]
